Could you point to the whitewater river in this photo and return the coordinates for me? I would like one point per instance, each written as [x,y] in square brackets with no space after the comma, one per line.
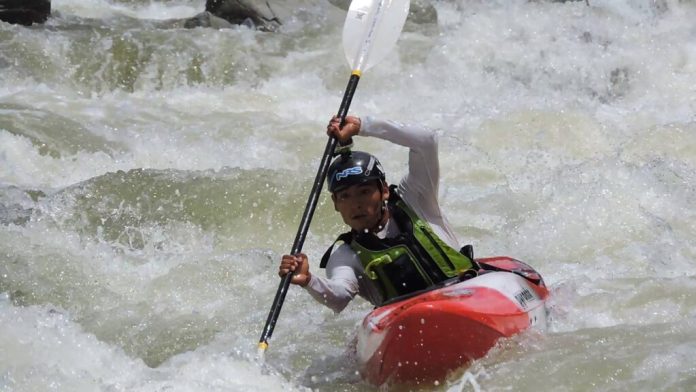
[151,177]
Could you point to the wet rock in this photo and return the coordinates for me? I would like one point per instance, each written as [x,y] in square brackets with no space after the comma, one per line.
[25,12]
[206,19]
[225,13]
[419,12]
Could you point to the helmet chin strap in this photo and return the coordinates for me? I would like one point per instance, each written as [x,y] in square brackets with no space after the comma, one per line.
[383,213]
[383,218]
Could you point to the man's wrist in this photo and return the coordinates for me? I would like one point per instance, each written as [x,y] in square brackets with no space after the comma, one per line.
[306,282]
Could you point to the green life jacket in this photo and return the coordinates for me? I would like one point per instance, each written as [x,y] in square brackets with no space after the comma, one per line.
[414,260]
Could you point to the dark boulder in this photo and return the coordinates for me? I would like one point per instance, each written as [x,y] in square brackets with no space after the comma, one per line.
[236,12]
[420,11]
[25,12]
[206,19]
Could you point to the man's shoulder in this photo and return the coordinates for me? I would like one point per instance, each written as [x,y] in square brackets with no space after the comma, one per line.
[343,250]
[342,255]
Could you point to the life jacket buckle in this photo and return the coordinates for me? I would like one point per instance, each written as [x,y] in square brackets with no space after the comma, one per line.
[384,259]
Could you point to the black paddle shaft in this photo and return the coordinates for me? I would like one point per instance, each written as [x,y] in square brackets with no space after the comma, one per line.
[309,211]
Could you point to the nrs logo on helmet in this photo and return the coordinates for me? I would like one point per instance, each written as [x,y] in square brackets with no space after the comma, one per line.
[349,172]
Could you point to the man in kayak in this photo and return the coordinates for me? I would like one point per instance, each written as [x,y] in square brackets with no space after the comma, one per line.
[399,241]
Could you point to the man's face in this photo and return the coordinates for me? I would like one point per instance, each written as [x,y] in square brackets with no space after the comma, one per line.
[360,205]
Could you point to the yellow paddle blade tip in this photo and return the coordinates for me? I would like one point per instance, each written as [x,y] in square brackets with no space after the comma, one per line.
[263,346]
[356,72]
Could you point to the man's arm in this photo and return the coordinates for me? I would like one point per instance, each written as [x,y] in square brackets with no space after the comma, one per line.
[423,177]
[341,284]
[345,280]
[419,187]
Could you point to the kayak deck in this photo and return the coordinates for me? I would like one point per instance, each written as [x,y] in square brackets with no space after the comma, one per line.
[422,338]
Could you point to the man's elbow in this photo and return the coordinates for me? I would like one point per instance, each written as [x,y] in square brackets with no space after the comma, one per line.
[339,301]
[432,139]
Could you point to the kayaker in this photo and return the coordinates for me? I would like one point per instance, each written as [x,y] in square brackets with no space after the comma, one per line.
[400,241]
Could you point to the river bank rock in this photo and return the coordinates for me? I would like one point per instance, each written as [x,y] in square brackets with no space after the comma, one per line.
[225,13]
[24,12]
[420,11]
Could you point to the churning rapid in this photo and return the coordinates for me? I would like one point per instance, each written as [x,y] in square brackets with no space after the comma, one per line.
[151,176]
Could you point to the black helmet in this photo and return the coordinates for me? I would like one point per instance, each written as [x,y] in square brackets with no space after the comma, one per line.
[353,167]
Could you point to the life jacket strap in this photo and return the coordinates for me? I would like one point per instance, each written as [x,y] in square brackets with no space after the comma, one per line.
[345,237]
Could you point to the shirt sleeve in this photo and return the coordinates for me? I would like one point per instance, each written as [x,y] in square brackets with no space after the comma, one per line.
[420,186]
[341,284]
[345,278]
[423,166]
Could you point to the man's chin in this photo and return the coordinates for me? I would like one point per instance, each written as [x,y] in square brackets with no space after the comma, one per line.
[361,228]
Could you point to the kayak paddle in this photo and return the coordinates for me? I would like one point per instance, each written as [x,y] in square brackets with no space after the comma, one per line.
[371,29]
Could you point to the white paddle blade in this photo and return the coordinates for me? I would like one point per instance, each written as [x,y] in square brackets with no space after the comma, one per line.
[371,29]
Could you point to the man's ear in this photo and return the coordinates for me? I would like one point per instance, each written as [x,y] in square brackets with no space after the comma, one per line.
[385,191]
[333,198]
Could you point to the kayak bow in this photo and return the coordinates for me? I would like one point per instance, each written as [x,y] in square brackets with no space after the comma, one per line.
[424,337]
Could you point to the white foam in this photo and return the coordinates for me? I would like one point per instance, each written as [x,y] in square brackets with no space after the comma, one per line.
[150,10]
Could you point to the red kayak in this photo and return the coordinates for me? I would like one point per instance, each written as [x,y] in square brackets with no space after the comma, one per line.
[423,337]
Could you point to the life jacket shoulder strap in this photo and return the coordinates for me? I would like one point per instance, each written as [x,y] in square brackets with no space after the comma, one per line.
[345,237]
[394,195]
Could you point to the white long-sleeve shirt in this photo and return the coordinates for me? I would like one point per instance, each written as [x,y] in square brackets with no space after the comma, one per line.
[419,189]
